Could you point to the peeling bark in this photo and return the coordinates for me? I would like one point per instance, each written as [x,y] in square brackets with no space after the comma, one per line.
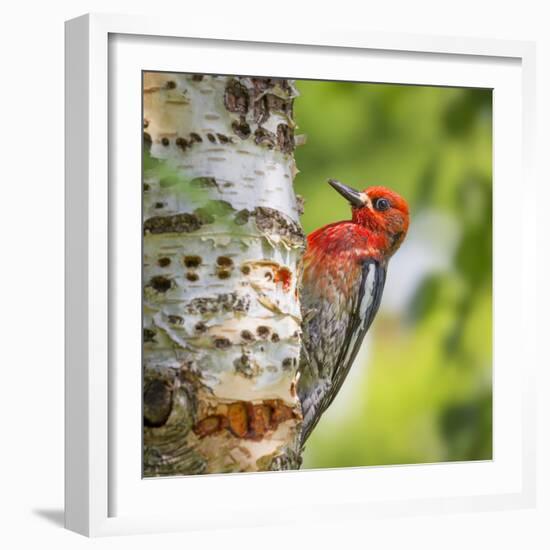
[221,250]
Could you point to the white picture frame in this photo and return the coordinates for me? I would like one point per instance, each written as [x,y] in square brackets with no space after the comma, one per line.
[104,492]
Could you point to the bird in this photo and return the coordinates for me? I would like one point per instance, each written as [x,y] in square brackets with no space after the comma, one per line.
[344,272]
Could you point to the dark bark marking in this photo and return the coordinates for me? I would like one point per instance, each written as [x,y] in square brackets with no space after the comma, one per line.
[192,261]
[224,261]
[182,143]
[261,110]
[265,138]
[157,403]
[269,220]
[200,327]
[247,336]
[178,223]
[276,103]
[222,303]
[149,335]
[222,343]
[147,141]
[267,98]
[287,363]
[160,283]
[285,138]
[242,366]
[236,97]
[241,217]
[241,128]
[300,202]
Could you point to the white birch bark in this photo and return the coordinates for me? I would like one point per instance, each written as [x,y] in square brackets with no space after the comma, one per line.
[221,250]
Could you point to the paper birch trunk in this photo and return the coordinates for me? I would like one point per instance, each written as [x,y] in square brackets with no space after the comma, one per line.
[221,250]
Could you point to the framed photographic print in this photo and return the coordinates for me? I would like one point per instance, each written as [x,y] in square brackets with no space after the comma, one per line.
[288,274]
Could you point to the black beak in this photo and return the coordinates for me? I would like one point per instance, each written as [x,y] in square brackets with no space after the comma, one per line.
[353,196]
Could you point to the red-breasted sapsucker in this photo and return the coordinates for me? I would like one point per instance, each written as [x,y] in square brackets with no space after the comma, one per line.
[344,274]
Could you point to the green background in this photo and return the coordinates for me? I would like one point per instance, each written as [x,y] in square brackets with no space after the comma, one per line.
[421,387]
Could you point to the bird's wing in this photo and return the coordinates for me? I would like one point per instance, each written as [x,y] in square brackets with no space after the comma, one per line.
[332,338]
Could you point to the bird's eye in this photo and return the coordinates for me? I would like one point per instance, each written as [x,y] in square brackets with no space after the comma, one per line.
[381,204]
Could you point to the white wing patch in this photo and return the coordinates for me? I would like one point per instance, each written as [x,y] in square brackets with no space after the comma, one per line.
[367,298]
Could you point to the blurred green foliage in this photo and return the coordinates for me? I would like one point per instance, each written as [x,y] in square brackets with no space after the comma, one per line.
[423,390]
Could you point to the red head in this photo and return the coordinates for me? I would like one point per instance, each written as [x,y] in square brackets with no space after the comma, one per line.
[380,210]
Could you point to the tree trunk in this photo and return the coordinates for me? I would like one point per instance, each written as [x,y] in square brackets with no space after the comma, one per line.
[221,250]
